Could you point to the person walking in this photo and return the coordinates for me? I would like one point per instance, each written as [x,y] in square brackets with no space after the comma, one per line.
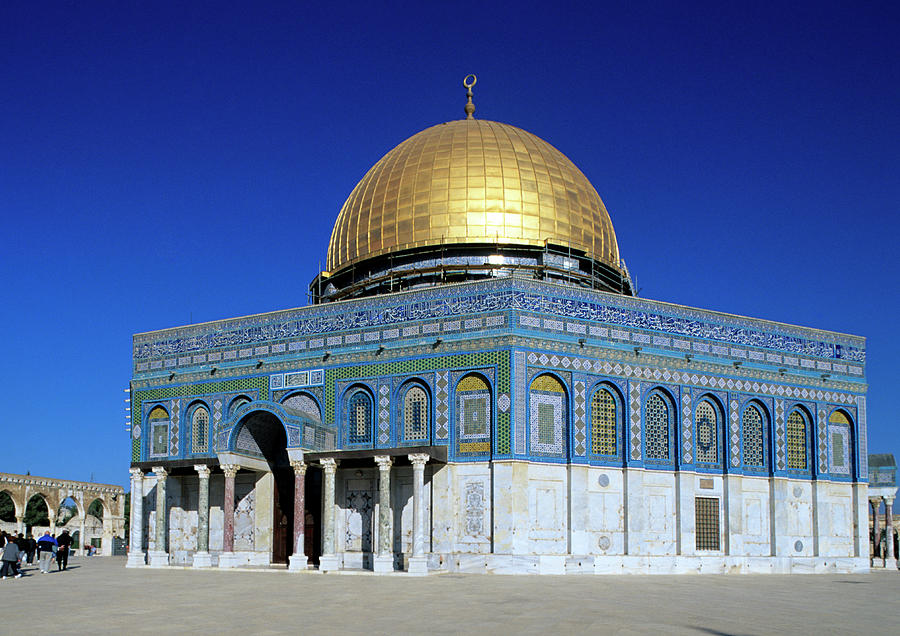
[10,555]
[62,555]
[32,546]
[45,547]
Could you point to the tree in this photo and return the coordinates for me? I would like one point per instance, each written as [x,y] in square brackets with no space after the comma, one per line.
[7,508]
[36,512]
[96,509]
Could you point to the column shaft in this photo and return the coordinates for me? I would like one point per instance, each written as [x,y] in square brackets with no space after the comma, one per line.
[299,560]
[136,539]
[160,510]
[228,509]
[418,563]
[384,559]
[329,559]
[888,528]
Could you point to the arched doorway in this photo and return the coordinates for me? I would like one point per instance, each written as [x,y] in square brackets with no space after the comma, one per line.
[262,434]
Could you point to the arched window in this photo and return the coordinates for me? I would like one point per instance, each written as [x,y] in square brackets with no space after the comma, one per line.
[604,417]
[796,441]
[754,439]
[707,423]
[200,430]
[237,403]
[359,418]
[473,415]
[548,416]
[415,413]
[656,427]
[158,419]
[839,443]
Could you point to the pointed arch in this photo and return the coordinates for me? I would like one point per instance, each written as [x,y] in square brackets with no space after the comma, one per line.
[841,444]
[474,414]
[708,426]
[659,420]
[548,416]
[605,420]
[360,415]
[414,412]
[796,435]
[755,436]
[198,416]
[158,422]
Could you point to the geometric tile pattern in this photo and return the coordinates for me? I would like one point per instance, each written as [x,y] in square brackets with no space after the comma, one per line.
[656,425]
[503,402]
[173,430]
[839,449]
[861,437]
[547,417]
[578,422]
[823,443]
[635,429]
[754,445]
[779,435]
[707,432]
[735,435]
[687,429]
[796,441]
[384,414]
[519,401]
[442,406]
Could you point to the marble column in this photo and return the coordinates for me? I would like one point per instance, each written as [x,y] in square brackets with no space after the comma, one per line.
[384,560]
[298,560]
[890,559]
[418,562]
[51,514]
[329,560]
[202,558]
[138,558]
[876,534]
[20,525]
[159,557]
[228,559]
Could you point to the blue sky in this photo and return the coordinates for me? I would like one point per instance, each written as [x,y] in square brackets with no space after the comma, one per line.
[163,163]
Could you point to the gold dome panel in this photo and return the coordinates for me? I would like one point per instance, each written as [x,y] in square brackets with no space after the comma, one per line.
[467,182]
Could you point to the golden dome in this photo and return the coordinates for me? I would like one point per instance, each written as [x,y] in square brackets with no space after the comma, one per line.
[472,182]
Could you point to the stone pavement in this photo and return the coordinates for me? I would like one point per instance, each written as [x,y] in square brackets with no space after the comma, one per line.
[99,596]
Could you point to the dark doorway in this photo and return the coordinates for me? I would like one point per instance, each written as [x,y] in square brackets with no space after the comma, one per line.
[262,434]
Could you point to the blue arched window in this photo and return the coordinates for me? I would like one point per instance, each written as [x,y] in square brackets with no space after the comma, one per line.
[360,417]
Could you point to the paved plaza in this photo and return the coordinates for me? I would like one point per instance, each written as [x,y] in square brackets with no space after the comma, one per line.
[100,596]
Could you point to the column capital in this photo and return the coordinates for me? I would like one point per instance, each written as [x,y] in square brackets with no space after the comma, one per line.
[230,470]
[136,473]
[160,472]
[384,462]
[299,467]
[875,501]
[329,464]
[202,470]
[418,460]
[20,518]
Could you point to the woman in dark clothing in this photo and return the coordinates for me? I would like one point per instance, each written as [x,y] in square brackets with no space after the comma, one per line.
[10,557]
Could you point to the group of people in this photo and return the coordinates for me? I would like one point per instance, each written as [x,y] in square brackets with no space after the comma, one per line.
[18,550]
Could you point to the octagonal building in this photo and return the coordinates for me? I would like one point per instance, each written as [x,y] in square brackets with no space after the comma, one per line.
[475,388]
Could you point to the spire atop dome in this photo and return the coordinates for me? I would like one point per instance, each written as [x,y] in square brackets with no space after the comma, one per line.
[469,82]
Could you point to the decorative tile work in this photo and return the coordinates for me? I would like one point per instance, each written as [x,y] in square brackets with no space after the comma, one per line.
[687,428]
[796,441]
[174,407]
[474,509]
[707,432]
[839,449]
[442,405]
[603,423]
[578,422]
[635,429]
[493,296]
[359,418]
[200,430]
[780,446]
[753,437]
[503,402]
[384,414]
[861,437]
[473,413]
[822,434]
[519,403]
[305,405]
[415,414]
[547,417]
[656,427]
[735,450]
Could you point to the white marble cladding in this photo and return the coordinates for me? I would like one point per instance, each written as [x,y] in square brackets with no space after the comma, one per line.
[518,517]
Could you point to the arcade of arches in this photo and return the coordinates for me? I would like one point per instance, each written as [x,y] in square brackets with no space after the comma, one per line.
[56,494]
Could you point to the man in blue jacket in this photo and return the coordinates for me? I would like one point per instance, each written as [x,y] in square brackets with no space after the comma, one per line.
[45,547]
